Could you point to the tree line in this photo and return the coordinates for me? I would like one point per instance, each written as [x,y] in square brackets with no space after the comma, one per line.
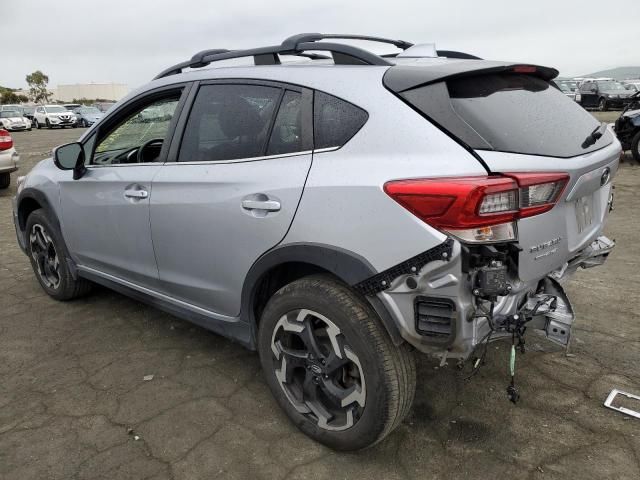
[38,92]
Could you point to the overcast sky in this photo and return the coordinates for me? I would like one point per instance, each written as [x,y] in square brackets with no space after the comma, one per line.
[129,41]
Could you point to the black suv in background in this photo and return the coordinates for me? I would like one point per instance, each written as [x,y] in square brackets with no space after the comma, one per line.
[603,94]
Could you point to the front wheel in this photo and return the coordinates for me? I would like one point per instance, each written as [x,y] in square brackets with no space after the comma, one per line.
[602,105]
[37,124]
[331,365]
[635,146]
[48,123]
[48,255]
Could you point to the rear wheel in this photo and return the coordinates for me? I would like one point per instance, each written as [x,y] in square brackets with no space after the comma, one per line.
[602,105]
[331,366]
[635,147]
[5,180]
[48,255]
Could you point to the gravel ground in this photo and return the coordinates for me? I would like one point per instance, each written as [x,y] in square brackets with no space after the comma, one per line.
[74,402]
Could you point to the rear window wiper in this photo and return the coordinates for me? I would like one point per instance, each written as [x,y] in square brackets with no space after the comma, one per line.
[594,136]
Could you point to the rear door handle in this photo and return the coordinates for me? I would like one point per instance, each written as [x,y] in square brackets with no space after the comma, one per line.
[136,193]
[267,205]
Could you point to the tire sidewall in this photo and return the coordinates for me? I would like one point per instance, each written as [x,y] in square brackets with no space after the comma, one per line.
[635,146]
[370,425]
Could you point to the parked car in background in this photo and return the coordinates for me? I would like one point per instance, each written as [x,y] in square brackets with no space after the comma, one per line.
[72,106]
[9,158]
[54,116]
[13,121]
[603,94]
[566,89]
[28,111]
[627,127]
[103,106]
[632,85]
[87,116]
[339,218]
[15,108]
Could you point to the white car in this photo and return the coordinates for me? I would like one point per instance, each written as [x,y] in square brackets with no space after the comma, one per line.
[54,116]
[9,158]
[13,120]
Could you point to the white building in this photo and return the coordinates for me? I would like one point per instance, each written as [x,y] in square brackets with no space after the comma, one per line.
[78,91]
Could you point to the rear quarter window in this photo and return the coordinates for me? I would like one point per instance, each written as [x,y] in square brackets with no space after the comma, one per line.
[510,113]
[335,121]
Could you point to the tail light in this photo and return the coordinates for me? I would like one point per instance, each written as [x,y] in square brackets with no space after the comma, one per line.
[479,209]
[6,142]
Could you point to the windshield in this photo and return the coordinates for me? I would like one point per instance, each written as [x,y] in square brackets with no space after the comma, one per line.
[564,87]
[55,109]
[508,113]
[9,114]
[12,108]
[90,110]
[610,85]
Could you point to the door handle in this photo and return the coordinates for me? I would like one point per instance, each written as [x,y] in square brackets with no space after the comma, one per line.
[139,194]
[267,205]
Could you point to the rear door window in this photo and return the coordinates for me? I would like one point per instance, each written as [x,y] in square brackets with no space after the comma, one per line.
[230,121]
[287,135]
[335,121]
[510,113]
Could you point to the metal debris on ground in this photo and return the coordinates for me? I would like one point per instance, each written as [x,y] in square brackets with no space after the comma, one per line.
[147,378]
[627,411]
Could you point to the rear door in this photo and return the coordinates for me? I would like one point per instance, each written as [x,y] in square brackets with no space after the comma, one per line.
[520,123]
[230,188]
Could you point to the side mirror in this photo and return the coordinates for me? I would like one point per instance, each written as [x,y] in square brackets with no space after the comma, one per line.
[70,157]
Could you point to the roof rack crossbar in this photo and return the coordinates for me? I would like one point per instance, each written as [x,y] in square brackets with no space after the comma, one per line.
[295,45]
[314,37]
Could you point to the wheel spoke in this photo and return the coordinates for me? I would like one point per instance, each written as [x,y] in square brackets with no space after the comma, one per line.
[309,388]
[334,363]
[309,339]
[295,358]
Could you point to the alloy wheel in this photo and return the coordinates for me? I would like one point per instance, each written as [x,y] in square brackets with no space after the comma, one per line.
[44,254]
[318,372]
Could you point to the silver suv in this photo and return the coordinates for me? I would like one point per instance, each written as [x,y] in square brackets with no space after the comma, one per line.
[335,214]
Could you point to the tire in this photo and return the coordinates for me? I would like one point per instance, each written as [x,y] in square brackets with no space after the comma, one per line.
[48,254]
[376,379]
[635,146]
[602,105]
[37,124]
[46,121]
[5,180]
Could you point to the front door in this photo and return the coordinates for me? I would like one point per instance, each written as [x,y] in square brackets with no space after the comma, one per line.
[106,212]
[232,191]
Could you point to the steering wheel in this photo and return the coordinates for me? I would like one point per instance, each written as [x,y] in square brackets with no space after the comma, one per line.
[145,145]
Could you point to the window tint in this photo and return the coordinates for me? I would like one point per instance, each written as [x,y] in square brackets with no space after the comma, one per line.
[148,123]
[286,136]
[229,122]
[509,113]
[335,121]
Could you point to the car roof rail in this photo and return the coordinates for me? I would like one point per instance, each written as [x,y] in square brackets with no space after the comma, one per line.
[295,45]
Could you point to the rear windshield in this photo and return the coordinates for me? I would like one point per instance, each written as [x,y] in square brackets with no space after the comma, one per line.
[510,113]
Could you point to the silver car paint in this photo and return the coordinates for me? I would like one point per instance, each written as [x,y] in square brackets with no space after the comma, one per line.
[205,241]
[106,230]
[343,203]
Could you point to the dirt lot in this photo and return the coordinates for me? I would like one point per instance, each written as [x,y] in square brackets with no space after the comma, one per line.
[73,402]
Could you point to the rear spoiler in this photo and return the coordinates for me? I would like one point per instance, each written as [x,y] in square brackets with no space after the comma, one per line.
[400,78]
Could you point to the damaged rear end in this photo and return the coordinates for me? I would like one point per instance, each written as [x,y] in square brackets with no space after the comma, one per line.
[521,230]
